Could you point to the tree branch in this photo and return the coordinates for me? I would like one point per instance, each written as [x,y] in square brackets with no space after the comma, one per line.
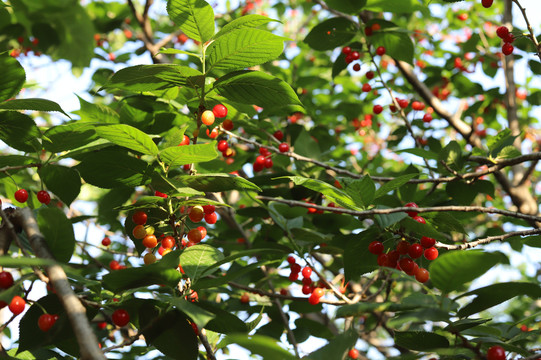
[487,240]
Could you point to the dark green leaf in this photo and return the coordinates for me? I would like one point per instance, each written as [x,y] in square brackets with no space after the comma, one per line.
[196,313]
[197,259]
[397,44]
[247,21]
[128,137]
[256,88]
[261,345]
[331,34]
[451,154]
[69,136]
[239,49]
[32,104]
[194,17]
[347,6]
[21,262]
[420,340]
[63,181]
[19,131]
[357,259]
[180,155]
[13,77]
[337,348]
[452,270]
[393,184]
[58,233]
[215,182]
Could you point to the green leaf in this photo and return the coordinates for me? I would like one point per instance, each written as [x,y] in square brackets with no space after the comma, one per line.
[178,51]
[21,262]
[465,324]
[337,348]
[394,6]
[357,259]
[194,17]
[256,88]
[331,34]
[453,269]
[347,6]
[508,152]
[195,260]
[246,21]
[215,182]
[242,48]
[111,168]
[393,185]
[163,271]
[128,137]
[331,192]
[97,113]
[69,136]
[141,78]
[32,104]
[225,322]
[451,154]
[464,193]
[19,131]
[58,233]
[63,181]
[362,191]
[240,254]
[196,313]
[418,228]
[180,155]
[426,154]
[420,340]
[13,77]
[397,44]
[500,141]
[261,345]
[306,145]
[492,295]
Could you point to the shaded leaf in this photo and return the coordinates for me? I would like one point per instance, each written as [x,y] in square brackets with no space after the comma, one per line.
[13,77]
[63,181]
[420,340]
[19,131]
[215,182]
[261,345]
[337,348]
[32,104]
[69,136]
[58,232]
[331,33]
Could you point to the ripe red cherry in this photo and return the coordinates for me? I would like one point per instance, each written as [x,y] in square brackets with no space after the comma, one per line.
[383,260]
[487,3]
[46,322]
[406,264]
[419,219]
[366,88]
[6,280]
[376,247]
[44,197]
[21,195]
[377,109]
[431,253]
[209,209]
[106,241]
[121,317]
[318,292]
[268,163]
[507,49]
[502,32]
[197,213]
[222,145]
[353,354]
[355,55]
[370,75]
[212,134]
[168,242]
[291,260]
[357,67]
[380,51]
[220,111]
[295,268]
[283,147]
[228,124]
[422,275]
[412,205]
[462,17]
[17,305]
[403,103]
[293,276]
[278,134]
[509,38]
[185,140]
[346,50]
[211,218]
[139,217]
[427,118]
[306,271]
[415,251]
[427,242]
[245,298]
[496,352]
[194,236]
[114,265]
[417,105]
[313,300]
[403,247]
[160,194]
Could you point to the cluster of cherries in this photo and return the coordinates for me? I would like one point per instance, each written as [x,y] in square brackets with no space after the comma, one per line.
[404,255]
[43,196]
[308,286]
[507,37]
[26,45]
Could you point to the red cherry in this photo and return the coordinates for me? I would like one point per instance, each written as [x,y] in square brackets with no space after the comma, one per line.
[417,105]
[502,31]
[44,197]
[415,251]
[496,352]
[139,217]
[209,209]
[412,205]
[278,134]
[427,242]
[295,268]
[258,167]
[431,253]
[17,305]
[403,103]
[419,219]
[357,67]
[487,3]
[306,289]
[106,241]
[268,163]
[21,195]
[222,145]
[194,236]
[6,280]
[392,258]
[427,118]
[283,147]
[383,259]
[245,298]
[212,134]
[406,264]
[421,275]
[306,271]
[376,247]
[168,242]
[355,55]
[507,49]
[114,265]
[313,300]
[353,354]
[121,317]
[366,88]
[403,247]
[203,231]
[509,38]
[211,218]
[46,322]
[291,260]
[160,194]
[462,17]
[377,109]
[228,124]
[219,110]
[185,140]
[370,75]
[346,50]
[380,51]
[318,292]
[293,276]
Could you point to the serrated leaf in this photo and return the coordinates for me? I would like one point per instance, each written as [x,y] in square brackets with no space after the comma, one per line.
[163,271]
[256,88]
[331,192]
[501,140]
[492,295]
[111,168]
[337,348]
[196,259]
[141,78]
[128,137]
[63,181]
[508,152]
[19,131]
[196,313]
[13,77]
[242,48]
[393,184]
[194,17]
[362,191]
[331,34]
[69,136]
[32,104]
[246,21]
[418,228]
[261,345]
[452,270]
[215,182]
[58,233]
[97,113]
[180,155]
[225,322]
[420,340]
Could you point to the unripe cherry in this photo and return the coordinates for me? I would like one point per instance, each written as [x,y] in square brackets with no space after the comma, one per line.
[207,117]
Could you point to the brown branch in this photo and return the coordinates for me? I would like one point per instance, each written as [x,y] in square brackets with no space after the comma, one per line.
[487,240]
[530,29]
[76,312]
[206,345]
[148,35]
[19,167]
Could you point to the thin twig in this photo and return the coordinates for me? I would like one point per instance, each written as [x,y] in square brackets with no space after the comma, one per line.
[487,240]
